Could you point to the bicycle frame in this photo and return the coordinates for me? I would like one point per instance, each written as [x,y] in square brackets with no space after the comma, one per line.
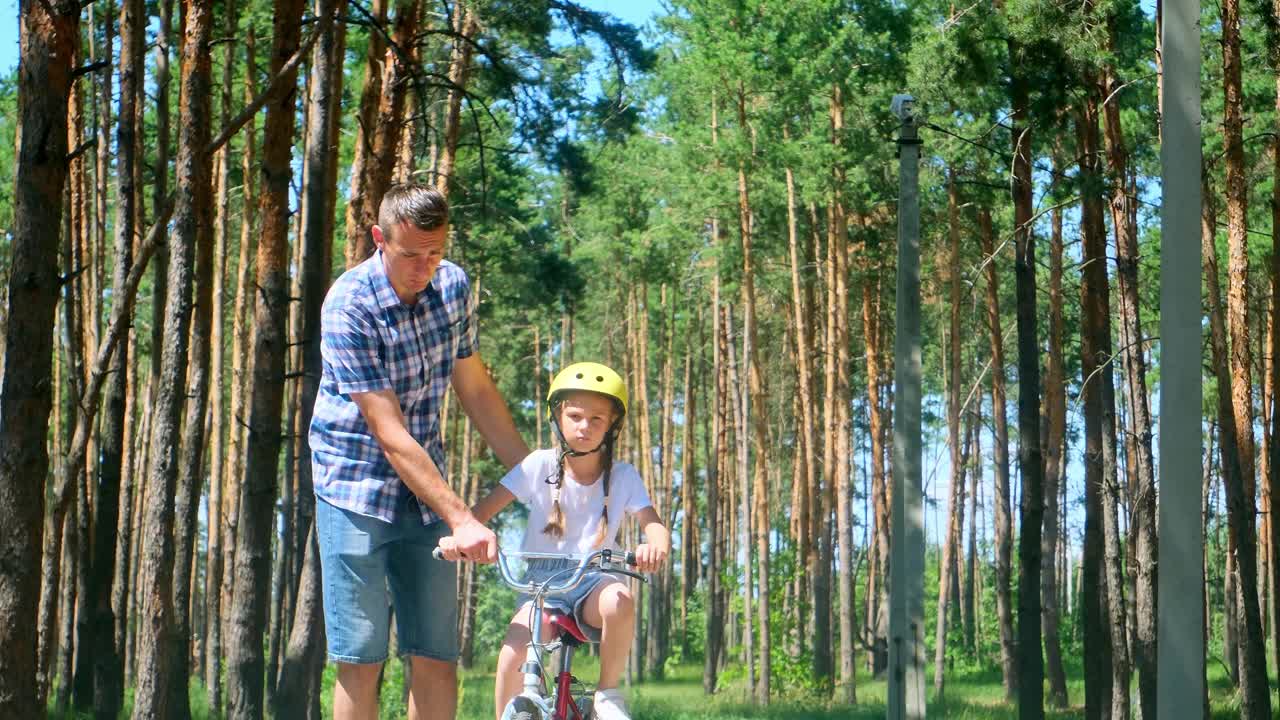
[534,683]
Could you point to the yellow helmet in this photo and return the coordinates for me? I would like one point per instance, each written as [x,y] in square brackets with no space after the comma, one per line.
[592,377]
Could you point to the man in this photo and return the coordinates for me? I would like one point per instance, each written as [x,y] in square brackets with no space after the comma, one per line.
[396,331]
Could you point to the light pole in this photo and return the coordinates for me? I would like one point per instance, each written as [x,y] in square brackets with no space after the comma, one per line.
[906,582]
[1180,628]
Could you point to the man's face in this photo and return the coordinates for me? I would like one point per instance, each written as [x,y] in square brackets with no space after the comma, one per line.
[411,256]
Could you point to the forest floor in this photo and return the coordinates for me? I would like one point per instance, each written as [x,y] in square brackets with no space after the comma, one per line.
[970,695]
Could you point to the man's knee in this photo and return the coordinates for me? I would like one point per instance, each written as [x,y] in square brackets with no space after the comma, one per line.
[434,670]
[358,679]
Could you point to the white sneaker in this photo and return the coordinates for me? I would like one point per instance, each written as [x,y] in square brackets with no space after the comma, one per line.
[609,705]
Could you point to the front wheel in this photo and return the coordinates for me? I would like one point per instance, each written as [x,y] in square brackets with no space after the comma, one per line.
[522,708]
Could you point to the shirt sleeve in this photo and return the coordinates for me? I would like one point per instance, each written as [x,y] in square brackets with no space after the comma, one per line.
[467,340]
[522,479]
[636,496]
[349,346]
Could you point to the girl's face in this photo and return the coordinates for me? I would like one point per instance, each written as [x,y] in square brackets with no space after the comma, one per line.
[585,417]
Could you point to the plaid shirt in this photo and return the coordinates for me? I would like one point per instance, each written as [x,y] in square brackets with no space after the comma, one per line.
[371,341]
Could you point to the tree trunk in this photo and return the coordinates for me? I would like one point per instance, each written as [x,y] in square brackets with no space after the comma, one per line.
[1273,538]
[196,104]
[466,26]
[242,337]
[157,666]
[214,547]
[1004,599]
[1030,657]
[715,617]
[879,655]
[1098,375]
[257,500]
[952,365]
[48,38]
[108,694]
[690,547]
[359,242]
[804,388]
[1055,403]
[377,144]
[304,659]
[1255,696]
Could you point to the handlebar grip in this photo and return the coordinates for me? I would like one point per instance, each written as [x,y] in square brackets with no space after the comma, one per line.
[437,553]
[631,559]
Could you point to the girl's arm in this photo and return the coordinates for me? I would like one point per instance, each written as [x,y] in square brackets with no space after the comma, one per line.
[651,555]
[492,504]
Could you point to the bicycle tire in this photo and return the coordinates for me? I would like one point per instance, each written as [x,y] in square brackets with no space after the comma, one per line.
[522,708]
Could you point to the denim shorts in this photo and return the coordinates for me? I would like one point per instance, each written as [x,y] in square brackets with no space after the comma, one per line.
[370,567]
[574,601]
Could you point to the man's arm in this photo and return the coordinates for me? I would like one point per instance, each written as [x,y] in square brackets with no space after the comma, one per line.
[381,410]
[483,403]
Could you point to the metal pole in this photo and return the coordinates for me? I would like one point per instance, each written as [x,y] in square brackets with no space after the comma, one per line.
[906,583]
[1181,654]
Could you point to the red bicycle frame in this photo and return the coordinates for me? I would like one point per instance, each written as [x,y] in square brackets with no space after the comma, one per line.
[564,697]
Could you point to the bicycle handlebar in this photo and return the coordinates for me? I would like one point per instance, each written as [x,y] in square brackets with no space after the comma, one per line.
[585,563]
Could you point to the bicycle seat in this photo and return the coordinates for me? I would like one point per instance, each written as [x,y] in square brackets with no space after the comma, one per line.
[565,626]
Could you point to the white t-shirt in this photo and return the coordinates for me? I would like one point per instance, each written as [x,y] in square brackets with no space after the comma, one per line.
[583,505]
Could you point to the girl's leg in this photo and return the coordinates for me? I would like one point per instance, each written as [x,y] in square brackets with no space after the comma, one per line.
[509,680]
[611,608]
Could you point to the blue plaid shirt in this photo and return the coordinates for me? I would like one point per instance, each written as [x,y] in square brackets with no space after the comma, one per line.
[371,341]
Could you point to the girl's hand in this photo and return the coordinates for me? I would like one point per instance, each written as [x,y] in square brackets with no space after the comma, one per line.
[651,557]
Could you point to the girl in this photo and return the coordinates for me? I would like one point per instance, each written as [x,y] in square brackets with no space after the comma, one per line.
[576,496]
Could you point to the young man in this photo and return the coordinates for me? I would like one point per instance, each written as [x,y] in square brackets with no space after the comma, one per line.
[396,331]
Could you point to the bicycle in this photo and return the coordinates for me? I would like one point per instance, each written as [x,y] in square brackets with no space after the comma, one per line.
[533,702]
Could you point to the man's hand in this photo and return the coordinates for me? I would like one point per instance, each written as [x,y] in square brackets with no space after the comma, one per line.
[650,557]
[471,541]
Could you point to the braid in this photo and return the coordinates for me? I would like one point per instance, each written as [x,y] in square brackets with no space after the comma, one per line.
[555,523]
[606,457]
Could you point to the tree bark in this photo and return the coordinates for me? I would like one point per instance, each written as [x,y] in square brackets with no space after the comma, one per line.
[48,37]
[1030,657]
[1095,347]
[108,694]
[245,660]
[1144,495]
[1004,599]
[304,659]
[1055,404]
[1273,479]
[1255,696]
[466,26]
[214,548]
[160,619]
[715,609]
[381,127]
[242,337]
[953,362]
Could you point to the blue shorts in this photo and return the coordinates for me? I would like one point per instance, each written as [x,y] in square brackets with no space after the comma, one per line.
[368,567]
[573,602]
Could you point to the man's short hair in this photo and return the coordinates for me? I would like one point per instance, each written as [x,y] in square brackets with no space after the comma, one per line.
[418,204]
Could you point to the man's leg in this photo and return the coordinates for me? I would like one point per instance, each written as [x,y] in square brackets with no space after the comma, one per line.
[434,693]
[426,606]
[355,696]
[356,614]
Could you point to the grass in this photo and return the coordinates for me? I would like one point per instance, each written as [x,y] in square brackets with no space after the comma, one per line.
[971,694]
